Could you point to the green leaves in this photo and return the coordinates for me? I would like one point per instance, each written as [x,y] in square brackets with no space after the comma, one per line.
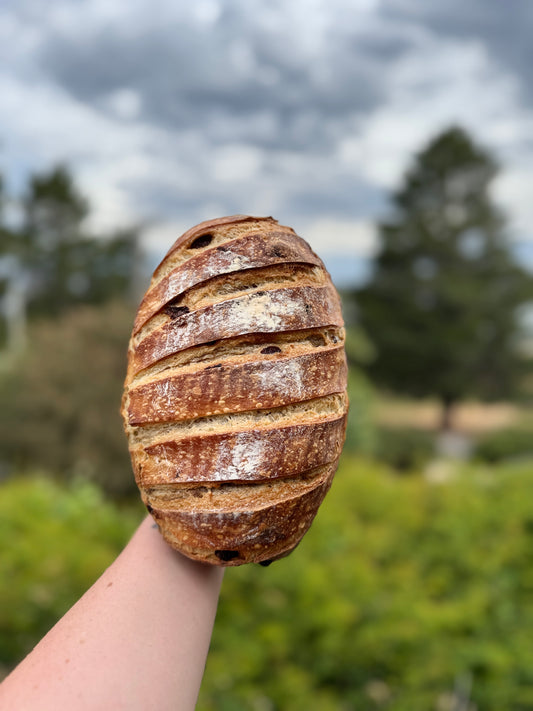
[402,594]
[59,263]
[442,306]
[61,399]
[401,591]
[55,542]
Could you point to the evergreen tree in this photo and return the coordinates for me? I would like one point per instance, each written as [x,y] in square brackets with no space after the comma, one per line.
[442,304]
[49,262]
[65,266]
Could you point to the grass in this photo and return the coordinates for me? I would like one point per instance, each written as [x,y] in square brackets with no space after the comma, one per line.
[470,418]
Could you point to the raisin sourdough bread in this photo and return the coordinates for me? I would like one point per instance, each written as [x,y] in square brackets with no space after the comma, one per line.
[235,397]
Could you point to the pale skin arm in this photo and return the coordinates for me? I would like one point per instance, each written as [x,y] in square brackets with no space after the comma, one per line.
[136,640]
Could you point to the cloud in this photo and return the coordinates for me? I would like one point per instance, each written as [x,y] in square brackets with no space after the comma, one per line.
[283,78]
[439,83]
[309,110]
[504,29]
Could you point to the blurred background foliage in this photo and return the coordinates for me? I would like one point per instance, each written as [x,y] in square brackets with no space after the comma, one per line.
[443,303]
[56,540]
[54,264]
[413,589]
[404,595]
[61,401]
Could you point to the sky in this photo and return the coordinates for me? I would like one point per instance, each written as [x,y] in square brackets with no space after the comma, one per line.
[171,112]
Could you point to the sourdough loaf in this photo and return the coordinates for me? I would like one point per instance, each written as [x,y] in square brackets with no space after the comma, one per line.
[235,396]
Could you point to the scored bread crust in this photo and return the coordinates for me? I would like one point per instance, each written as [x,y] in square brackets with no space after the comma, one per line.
[259,249]
[235,396]
[264,311]
[250,454]
[265,527]
[234,387]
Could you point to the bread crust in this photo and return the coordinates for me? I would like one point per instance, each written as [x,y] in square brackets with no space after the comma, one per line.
[250,251]
[235,397]
[220,388]
[253,454]
[256,532]
[264,311]
[212,225]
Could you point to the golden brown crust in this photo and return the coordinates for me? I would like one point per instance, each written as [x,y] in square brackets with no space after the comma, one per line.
[219,388]
[208,226]
[254,454]
[254,533]
[234,401]
[264,311]
[258,249]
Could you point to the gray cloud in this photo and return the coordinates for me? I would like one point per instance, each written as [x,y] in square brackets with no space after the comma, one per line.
[184,90]
[259,79]
[341,196]
[503,27]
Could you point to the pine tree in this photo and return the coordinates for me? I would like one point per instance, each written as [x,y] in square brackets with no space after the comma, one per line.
[442,304]
[65,265]
[50,263]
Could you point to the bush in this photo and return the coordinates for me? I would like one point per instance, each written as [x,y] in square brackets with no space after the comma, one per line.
[504,444]
[55,542]
[360,430]
[401,592]
[60,404]
[404,449]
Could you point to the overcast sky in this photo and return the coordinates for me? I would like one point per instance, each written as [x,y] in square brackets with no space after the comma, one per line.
[173,112]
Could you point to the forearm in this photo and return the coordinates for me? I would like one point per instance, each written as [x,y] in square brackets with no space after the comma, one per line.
[138,639]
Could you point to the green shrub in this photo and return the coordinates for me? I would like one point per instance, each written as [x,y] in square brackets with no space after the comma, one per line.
[60,403]
[55,542]
[404,449]
[401,592]
[360,430]
[504,444]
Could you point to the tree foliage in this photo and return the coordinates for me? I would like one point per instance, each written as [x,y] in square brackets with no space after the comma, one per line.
[403,594]
[56,262]
[60,401]
[442,305]
[66,328]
